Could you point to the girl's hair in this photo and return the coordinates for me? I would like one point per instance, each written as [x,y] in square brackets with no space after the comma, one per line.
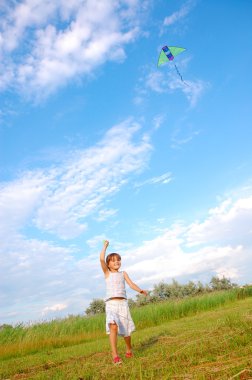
[111,257]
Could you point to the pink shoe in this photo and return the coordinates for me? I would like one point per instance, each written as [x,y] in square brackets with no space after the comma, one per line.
[117,360]
[129,355]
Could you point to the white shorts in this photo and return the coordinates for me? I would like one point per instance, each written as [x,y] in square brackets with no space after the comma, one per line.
[117,311]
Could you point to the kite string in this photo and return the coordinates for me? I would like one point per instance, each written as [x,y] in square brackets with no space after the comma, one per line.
[180,75]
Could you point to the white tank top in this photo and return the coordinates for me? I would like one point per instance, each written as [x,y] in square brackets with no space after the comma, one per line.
[115,285]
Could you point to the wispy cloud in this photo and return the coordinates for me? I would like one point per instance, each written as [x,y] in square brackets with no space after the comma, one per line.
[183,133]
[60,198]
[158,121]
[167,82]
[180,14]
[162,179]
[105,214]
[164,80]
[44,44]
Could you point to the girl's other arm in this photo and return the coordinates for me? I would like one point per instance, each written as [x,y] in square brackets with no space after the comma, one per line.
[134,286]
[102,257]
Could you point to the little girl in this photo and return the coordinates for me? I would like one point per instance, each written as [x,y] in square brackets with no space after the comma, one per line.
[118,318]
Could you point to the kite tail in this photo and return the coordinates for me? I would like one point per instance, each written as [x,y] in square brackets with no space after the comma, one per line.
[180,75]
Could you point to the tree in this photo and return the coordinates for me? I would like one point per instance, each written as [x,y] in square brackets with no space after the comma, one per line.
[97,306]
[5,327]
[190,289]
[161,291]
[131,303]
[223,283]
[142,300]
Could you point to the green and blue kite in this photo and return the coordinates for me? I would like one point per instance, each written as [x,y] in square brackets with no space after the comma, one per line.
[168,53]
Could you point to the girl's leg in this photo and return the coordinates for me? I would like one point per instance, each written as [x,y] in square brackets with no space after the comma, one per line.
[127,340]
[113,339]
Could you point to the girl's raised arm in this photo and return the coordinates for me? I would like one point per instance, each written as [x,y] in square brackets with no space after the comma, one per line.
[102,256]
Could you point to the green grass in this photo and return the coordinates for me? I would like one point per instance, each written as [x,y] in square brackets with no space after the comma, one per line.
[207,337]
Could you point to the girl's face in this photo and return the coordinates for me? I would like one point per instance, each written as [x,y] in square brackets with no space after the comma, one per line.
[114,264]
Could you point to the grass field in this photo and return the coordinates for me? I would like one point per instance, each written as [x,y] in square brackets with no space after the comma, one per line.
[206,337]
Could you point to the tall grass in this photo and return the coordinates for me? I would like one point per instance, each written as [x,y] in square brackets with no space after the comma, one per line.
[214,344]
[154,314]
[21,340]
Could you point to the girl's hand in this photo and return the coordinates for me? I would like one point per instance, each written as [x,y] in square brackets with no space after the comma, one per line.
[145,292]
[105,244]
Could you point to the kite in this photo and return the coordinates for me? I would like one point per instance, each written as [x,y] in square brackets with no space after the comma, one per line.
[168,53]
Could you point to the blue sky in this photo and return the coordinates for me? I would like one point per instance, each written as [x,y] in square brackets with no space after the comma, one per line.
[98,142]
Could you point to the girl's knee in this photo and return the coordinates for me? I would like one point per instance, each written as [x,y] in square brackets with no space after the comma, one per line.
[113,326]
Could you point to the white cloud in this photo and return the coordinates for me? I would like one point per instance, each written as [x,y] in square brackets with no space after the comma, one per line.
[43,44]
[56,307]
[218,245]
[33,271]
[18,200]
[54,282]
[164,259]
[231,220]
